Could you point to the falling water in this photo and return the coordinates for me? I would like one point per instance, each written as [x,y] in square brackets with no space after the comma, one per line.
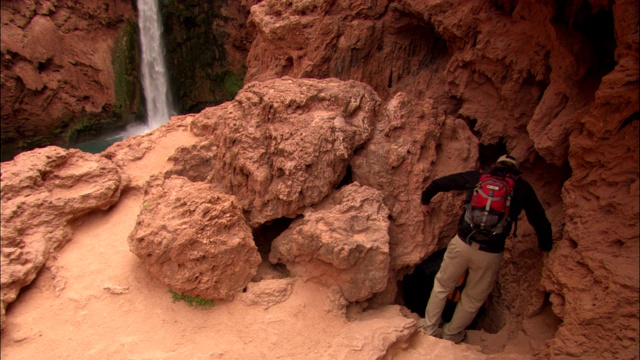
[154,81]
[154,73]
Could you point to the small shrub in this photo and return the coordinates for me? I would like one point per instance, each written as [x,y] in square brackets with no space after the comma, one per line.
[192,301]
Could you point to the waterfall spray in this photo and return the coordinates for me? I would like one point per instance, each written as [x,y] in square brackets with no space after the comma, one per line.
[154,73]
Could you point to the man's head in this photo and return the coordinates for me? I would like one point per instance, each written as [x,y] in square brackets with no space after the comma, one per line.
[508,161]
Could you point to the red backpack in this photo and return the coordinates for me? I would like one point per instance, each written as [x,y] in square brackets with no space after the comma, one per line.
[488,210]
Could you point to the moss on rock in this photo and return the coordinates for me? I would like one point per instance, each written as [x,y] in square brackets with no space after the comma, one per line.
[126,65]
[197,61]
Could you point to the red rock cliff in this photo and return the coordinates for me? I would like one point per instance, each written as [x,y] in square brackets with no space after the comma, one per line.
[57,67]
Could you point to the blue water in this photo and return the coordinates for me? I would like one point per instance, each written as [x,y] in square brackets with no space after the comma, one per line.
[101,144]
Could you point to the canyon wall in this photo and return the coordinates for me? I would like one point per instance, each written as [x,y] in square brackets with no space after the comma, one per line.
[61,62]
[71,70]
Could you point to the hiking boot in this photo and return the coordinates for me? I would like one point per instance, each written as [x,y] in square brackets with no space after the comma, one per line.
[423,329]
[455,338]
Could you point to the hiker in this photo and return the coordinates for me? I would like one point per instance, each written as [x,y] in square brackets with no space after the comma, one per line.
[491,207]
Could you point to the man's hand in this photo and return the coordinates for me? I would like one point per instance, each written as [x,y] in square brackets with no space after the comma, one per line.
[426,209]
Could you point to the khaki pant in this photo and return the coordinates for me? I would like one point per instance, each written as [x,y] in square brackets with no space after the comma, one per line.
[483,271]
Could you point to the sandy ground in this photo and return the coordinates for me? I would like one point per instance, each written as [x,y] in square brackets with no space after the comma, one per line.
[97,301]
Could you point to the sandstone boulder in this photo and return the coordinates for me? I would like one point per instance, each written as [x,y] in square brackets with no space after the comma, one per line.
[267,293]
[282,145]
[42,192]
[343,243]
[413,143]
[373,335]
[194,239]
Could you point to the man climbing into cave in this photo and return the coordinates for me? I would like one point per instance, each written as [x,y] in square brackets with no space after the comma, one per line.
[494,201]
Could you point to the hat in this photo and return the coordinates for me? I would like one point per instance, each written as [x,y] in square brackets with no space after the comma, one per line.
[508,160]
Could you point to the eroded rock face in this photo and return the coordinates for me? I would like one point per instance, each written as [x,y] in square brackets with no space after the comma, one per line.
[378,43]
[267,293]
[57,63]
[556,85]
[593,277]
[194,239]
[412,141]
[342,242]
[42,192]
[281,145]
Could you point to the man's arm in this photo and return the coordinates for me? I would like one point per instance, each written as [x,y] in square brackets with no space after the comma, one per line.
[538,219]
[460,181]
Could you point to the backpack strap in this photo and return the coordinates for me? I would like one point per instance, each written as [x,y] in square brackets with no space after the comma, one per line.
[514,177]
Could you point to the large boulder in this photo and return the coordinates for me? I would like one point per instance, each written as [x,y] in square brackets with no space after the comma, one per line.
[194,238]
[343,243]
[282,145]
[42,192]
[412,143]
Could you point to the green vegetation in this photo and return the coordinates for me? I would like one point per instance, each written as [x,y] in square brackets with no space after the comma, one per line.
[89,126]
[125,68]
[83,126]
[199,70]
[225,85]
[192,301]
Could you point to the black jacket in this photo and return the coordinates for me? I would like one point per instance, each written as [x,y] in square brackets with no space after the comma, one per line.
[524,197]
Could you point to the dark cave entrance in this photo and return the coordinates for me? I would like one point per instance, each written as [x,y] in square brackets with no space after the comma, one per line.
[505,303]
[347,178]
[595,25]
[416,286]
[488,154]
[263,237]
[415,289]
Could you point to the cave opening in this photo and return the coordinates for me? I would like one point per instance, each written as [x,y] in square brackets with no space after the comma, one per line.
[509,298]
[263,237]
[415,289]
[488,154]
[347,178]
[597,27]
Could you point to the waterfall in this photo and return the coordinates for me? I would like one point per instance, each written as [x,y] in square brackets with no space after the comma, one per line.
[154,81]
[154,73]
